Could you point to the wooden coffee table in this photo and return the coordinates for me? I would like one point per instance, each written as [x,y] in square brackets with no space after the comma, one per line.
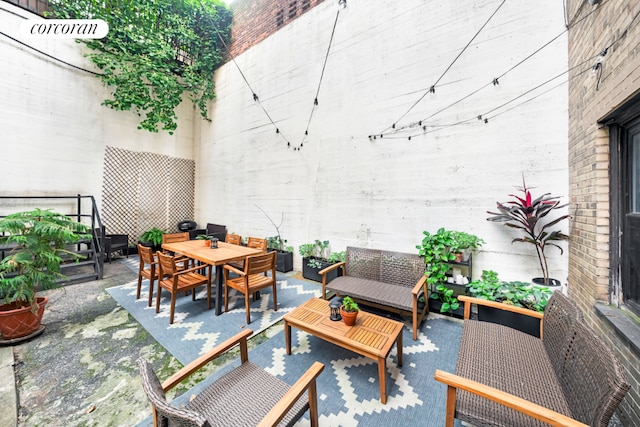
[372,336]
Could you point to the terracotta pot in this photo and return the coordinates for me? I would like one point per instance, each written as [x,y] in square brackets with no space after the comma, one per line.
[16,322]
[349,317]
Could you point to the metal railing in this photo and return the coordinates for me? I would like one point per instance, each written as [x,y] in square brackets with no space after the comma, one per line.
[85,213]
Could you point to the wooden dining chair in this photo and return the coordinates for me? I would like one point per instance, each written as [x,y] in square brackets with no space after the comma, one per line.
[178,237]
[252,279]
[254,243]
[148,270]
[233,239]
[174,281]
[257,243]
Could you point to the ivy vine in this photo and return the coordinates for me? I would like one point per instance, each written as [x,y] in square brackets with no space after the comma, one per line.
[155,51]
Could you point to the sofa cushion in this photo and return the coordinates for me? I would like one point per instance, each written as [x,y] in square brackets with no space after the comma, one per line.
[509,360]
[373,291]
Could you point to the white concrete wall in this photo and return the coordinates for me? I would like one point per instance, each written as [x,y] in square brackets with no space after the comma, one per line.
[342,186]
[54,129]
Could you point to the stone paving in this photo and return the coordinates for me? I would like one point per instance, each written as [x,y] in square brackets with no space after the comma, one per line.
[81,371]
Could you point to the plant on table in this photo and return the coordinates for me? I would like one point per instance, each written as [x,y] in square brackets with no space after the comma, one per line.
[349,305]
[349,311]
[530,216]
[39,238]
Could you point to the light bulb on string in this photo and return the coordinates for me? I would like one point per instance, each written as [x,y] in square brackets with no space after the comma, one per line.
[342,4]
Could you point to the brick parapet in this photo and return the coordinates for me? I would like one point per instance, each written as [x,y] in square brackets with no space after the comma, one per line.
[255,20]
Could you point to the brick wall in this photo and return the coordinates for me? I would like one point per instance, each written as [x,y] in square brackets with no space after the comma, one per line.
[255,20]
[590,100]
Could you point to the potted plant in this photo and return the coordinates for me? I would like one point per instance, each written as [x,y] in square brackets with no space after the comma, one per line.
[520,294]
[39,238]
[284,253]
[530,216]
[437,253]
[349,311]
[463,244]
[317,256]
[152,238]
[284,257]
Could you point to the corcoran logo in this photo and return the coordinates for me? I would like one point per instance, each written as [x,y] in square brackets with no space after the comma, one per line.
[65,28]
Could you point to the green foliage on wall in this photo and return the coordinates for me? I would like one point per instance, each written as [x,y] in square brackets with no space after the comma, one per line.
[155,51]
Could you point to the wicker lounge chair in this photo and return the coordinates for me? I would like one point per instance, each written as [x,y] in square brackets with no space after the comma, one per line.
[505,377]
[245,396]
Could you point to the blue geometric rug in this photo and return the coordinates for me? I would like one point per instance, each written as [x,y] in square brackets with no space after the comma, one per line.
[196,329]
[348,388]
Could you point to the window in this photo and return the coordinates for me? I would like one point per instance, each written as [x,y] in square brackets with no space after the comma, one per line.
[624,132]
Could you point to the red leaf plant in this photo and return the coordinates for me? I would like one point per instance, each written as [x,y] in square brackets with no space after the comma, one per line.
[528,214]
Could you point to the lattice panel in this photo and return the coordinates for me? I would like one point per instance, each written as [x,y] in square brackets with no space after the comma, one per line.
[143,190]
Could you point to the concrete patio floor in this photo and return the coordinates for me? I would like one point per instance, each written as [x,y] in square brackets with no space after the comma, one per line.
[81,371]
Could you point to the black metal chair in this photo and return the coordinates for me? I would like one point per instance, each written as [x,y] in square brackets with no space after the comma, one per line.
[112,243]
[216,230]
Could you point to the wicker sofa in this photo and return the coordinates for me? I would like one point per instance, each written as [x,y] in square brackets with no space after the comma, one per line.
[392,281]
[505,377]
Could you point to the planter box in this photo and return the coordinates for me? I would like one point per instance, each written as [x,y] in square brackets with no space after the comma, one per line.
[436,304]
[520,322]
[311,273]
[284,261]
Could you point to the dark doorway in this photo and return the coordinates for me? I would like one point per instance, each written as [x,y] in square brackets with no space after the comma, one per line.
[624,135]
[630,212]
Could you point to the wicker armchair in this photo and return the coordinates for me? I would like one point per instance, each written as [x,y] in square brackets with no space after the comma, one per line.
[245,396]
[505,377]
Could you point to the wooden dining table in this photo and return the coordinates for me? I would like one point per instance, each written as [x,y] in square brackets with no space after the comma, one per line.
[218,257]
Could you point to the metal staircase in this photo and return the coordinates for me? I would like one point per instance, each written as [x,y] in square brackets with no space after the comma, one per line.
[82,209]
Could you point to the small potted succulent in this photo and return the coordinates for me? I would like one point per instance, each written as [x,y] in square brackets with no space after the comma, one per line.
[349,311]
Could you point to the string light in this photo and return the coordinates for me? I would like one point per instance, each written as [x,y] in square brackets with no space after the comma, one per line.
[496,81]
[596,69]
[432,89]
